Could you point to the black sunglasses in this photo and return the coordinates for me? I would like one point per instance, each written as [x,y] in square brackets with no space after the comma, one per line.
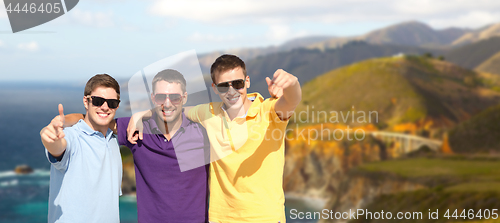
[98,101]
[224,86]
[174,98]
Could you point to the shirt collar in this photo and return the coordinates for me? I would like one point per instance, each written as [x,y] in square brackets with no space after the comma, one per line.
[84,127]
[154,127]
[254,108]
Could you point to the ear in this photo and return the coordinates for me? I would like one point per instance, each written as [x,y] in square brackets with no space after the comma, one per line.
[247,81]
[215,89]
[85,103]
[184,101]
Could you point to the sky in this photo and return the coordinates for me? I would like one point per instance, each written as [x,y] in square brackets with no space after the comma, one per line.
[120,37]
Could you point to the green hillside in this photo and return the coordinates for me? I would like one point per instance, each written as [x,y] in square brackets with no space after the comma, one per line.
[400,89]
[453,183]
[491,65]
[481,133]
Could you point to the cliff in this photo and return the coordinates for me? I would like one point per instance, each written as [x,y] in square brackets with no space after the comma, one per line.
[128,179]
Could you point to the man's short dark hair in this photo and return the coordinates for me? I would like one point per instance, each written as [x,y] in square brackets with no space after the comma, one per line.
[171,76]
[225,63]
[101,80]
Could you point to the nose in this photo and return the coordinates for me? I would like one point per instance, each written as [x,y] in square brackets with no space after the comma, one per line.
[231,89]
[105,106]
[167,102]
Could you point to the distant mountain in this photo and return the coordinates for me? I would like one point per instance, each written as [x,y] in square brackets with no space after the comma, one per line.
[479,34]
[413,34]
[306,64]
[410,33]
[246,54]
[303,42]
[400,89]
[491,65]
[472,55]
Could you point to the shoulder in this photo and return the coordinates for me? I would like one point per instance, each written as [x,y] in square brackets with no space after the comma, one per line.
[207,107]
[260,104]
[122,122]
[204,111]
[72,130]
[270,102]
[190,124]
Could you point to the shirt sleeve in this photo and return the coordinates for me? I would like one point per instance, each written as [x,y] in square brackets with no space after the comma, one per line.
[121,128]
[61,163]
[269,106]
[196,114]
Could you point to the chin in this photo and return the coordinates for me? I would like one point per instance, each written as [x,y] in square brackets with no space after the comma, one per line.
[103,122]
[238,104]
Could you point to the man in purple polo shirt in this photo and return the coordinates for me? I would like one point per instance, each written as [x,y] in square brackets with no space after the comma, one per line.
[171,175]
[164,192]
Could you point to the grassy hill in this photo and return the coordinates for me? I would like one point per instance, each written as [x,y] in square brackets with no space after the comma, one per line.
[491,65]
[452,184]
[481,133]
[400,89]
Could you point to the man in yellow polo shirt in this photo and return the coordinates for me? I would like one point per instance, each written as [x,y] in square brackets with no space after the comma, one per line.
[246,175]
[246,136]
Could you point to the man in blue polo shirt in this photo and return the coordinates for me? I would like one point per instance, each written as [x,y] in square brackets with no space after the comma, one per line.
[170,170]
[86,170]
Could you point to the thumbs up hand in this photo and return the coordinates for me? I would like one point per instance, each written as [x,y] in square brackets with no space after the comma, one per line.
[54,131]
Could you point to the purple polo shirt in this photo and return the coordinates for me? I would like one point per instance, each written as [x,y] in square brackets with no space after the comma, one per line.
[164,192]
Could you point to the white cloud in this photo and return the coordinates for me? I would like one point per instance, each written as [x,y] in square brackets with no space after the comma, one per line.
[93,19]
[283,32]
[473,19]
[339,11]
[1,43]
[198,37]
[31,46]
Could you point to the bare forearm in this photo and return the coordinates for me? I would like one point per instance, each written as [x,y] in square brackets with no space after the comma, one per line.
[292,94]
[72,119]
[142,115]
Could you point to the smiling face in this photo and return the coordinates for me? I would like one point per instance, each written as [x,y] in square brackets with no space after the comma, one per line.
[99,117]
[167,111]
[233,99]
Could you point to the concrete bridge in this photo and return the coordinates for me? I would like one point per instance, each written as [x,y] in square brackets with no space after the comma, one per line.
[408,143]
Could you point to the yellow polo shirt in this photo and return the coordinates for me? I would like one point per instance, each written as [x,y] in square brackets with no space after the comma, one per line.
[246,172]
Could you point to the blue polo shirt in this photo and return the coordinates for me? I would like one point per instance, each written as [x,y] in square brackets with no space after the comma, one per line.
[171,175]
[85,184]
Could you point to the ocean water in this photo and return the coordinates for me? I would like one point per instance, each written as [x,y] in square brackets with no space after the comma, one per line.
[25,108]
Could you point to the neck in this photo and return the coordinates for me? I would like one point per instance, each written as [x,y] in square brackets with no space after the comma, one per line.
[169,128]
[238,112]
[95,127]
